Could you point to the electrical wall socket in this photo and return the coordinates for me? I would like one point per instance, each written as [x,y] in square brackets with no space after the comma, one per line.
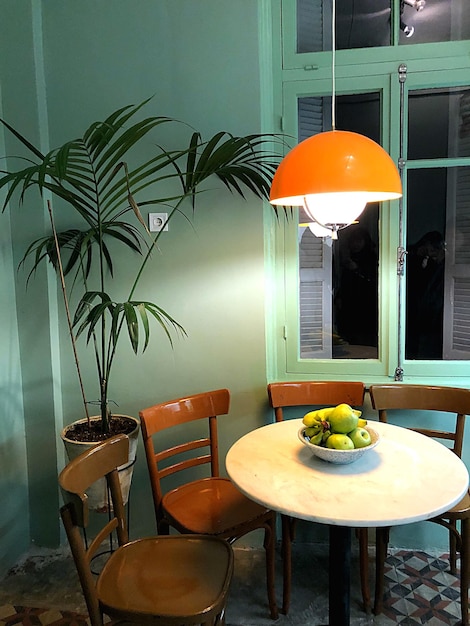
[156,222]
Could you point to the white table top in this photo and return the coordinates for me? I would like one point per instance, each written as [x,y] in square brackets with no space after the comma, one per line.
[408,477]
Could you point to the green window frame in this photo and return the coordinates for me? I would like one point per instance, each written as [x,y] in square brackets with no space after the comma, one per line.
[292,76]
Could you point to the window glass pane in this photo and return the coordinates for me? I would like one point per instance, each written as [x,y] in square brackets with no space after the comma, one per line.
[338,280]
[439,123]
[355,280]
[359,24]
[438,264]
[367,23]
[434,20]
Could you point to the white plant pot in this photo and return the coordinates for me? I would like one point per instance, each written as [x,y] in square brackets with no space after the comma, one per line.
[98,494]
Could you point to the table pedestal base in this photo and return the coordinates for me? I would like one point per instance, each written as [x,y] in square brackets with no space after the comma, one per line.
[339,575]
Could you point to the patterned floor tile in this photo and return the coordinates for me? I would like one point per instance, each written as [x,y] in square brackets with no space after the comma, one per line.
[419,589]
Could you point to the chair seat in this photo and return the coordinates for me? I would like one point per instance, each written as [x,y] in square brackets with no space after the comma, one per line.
[211,506]
[162,575]
[460,510]
[453,405]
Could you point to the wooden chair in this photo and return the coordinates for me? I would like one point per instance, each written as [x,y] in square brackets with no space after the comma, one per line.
[454,405]
[166,580]
[209,505]
[309,394]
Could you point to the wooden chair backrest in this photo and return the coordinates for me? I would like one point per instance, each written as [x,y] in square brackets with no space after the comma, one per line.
[208,405]
[314,393]
[97,462]
[451,400]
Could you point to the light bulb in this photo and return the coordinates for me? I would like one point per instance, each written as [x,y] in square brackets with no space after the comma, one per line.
[335,209]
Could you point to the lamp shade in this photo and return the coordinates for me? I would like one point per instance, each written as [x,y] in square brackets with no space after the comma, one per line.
[345,164]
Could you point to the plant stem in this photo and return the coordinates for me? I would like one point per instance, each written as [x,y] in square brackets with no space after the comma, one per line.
[104,377]
[67,310]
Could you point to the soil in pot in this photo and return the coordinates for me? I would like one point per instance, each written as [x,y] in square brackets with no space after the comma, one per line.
[91,433]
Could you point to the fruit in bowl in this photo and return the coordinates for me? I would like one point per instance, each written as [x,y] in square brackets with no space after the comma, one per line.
[360,437]
[337,434]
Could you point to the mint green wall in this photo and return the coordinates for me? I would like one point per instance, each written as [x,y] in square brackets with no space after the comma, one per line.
[73,66]
[209,273]
[24,391]
[14,513]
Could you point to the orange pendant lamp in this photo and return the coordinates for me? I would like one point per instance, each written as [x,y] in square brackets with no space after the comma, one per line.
[334,174]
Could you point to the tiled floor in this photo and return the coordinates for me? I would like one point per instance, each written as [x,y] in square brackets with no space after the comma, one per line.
[421,590]
[43,590]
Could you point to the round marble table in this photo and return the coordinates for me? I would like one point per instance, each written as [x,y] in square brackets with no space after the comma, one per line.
[408,477]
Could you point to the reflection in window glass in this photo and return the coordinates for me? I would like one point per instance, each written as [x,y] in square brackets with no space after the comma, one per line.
[439,123]
[359,24]
[434,20]
[362,24]
[338,280]
[367,23]
[355,310]
[338,290]
[438,264]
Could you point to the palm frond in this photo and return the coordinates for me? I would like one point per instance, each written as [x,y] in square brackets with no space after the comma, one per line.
[98,176]
[96,304]
[98,135]
[236,161]
[22,139]
[77,247]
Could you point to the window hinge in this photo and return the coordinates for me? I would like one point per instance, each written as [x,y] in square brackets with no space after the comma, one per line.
[401,255]
[284,330]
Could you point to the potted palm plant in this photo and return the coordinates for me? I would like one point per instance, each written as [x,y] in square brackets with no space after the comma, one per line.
[100,177]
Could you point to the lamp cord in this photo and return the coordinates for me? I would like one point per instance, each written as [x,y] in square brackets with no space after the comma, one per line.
[333,64]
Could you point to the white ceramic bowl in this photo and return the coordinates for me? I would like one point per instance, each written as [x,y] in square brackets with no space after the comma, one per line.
[340,457]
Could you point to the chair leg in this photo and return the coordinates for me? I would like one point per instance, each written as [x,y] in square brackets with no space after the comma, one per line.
[453,548]
[364,567]
[270,548]
[287,538]
[464,568]
[163,527]
[382,536]
[220,619]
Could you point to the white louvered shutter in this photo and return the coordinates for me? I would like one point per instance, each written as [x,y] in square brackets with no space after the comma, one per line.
[315,260]
[315,296]
[457,272]
[309,26]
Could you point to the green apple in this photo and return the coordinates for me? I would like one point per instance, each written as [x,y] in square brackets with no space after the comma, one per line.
[339,442]
[343,419]
[360,437]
